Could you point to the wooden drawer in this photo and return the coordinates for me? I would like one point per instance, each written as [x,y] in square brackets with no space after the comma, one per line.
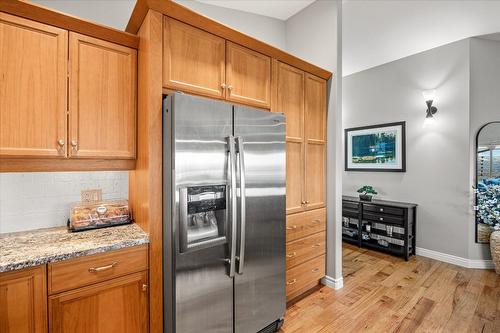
[384,209]
[71,274]
[304,249]
[305,224]
[350,205]
[304,277]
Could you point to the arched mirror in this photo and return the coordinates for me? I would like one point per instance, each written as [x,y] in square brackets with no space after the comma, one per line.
[487,181]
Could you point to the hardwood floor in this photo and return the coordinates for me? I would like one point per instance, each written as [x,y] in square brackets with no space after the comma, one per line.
[386,294]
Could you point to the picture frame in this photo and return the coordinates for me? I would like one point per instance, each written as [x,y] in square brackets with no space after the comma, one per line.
[378,148]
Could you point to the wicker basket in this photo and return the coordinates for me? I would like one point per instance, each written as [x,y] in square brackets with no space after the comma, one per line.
[495,249]
[483,233]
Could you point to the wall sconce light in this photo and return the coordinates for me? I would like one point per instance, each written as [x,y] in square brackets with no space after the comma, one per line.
[429,96]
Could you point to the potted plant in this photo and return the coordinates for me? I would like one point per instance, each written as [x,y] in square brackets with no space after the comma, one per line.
[366,192]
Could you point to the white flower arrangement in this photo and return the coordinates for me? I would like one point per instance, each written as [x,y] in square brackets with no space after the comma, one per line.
[488,203]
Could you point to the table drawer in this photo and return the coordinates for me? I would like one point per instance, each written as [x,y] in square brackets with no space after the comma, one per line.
[304,277]
[384,218]
[304,249]
[305,224]
[350,205]
[384,209]
[75,273]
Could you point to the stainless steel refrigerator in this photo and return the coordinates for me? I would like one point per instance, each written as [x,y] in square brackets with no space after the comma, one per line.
[224,217]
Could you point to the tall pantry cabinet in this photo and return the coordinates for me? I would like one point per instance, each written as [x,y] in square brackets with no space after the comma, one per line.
[302,98]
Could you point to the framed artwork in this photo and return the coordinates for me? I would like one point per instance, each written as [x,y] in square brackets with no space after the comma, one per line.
[376,148]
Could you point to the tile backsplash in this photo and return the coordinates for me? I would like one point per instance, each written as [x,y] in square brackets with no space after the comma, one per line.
[43,199]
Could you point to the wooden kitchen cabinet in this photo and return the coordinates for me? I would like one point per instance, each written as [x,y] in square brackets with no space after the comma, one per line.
[116,306]
[248,76]
[193,60]
[315,142]
[302,98]
[33,102]
[102,108]
[23,301]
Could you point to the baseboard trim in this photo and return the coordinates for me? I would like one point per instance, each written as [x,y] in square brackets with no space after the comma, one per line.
[451,259]
[333,283]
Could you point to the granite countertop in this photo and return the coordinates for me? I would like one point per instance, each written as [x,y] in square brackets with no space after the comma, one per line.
[37,247]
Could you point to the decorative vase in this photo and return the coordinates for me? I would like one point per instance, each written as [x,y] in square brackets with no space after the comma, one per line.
[495,249]
[365,197]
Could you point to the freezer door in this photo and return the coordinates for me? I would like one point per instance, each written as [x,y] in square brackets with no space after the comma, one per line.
[260,279]
[201,220]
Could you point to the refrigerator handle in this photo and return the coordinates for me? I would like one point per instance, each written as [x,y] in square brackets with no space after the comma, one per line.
[233,204]
[241,257]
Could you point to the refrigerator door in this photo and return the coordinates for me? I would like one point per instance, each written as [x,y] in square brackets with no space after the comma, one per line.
[203,289]
[260,279]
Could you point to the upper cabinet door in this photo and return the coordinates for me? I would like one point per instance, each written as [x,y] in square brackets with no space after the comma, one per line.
[33,103]
[248,76]
[315,136]
[193,60]
[102,99]
[290,99]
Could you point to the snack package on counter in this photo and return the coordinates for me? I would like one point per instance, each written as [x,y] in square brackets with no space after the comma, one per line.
[84,216]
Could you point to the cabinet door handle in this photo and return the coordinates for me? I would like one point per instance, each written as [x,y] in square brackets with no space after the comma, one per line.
[289,283]
[315,270]
[144,287]
[316,245]
[293,227]
[102,268]
[61,144]
[316,221]
[74,145]
[291,254]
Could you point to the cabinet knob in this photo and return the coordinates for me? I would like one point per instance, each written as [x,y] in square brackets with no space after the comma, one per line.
[381,218]
[144,287]
[316,221]
[223,86]
[74,145]
[315,270]
[316,245]
[307,202]
[291,254]
[293,227]
[61,144]
[289,283]
[230,87]
[381,209]
[303,202]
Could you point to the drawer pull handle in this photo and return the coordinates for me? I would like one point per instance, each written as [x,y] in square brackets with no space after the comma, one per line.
[315,270]
[102,268]
[316,221]
[289,283]
[291,254]
[293,227]
[316,245]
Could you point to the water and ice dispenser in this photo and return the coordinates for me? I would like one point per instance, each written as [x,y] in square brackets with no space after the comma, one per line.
[203,216]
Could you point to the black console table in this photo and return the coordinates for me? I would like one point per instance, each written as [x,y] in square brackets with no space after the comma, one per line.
[387,226]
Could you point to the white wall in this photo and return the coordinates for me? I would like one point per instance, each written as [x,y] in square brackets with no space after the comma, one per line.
[264,28]
[437,176]
[43,199]
[484,108]
[113,13]
[378,32]
[314,34]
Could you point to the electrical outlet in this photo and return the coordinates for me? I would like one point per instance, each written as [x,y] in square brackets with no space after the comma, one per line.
[92,195]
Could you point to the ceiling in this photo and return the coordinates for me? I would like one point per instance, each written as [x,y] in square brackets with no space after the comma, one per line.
[376,32]
[280,9]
